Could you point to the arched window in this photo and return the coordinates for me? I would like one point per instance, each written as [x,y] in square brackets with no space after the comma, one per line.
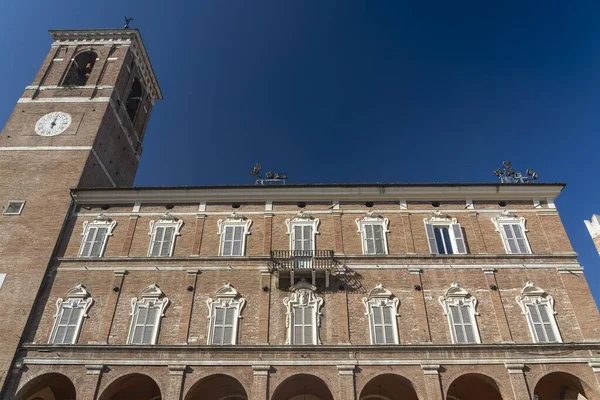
[134,99]
[81,69]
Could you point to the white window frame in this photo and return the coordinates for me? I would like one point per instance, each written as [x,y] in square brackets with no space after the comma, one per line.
[152,296]
[233,222]
[2,278]
[228,298]
[381,297]
[508,218]
[440,220]
[99,222]
[374,220]
[302,219]
[533,295]
[303,295]
[76,297]
[166,221]
[9,202]
[456,296]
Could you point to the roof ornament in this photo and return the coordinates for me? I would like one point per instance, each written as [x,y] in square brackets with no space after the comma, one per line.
[127,21]
[508,175]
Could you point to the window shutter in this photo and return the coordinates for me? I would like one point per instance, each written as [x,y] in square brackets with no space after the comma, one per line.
[388,324]
[87,244]
[509,239]
[63,321]
[308,238]
[297,239]
[138,325]
[229,317]
[159,232]
[150,325]
[73,324]
[461,248]
[457,324]
[431,238]
[218,325]
[369,239]
[167,241]
[238,232]
[520,239]
[298,325]
[468,324]
[379,239]
[98,241]
[536,320]
[227,241]
[308,325]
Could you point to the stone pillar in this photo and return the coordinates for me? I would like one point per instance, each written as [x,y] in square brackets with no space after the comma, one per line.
[419,305]
[129,237]
[518,382]
[176,379]
[91,382]
[187,305]
[198,232]
[433,385]
[347,385]
[501,321]
[596,368]
[111,305]
[260,385]
[264,307]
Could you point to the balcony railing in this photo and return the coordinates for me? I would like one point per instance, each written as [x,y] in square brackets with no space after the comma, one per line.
[303,260]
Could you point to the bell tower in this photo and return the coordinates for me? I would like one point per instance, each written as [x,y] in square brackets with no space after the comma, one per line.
[81,123]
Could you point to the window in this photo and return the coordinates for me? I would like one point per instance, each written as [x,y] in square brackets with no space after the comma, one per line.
[382,309]
[303,316]
[69,315]
[302,230]
[134,99]
[233,233]
[81,69]
[444,235]
[2,278]
[14,207]
[538,307]
[460,309]
[146,315]
[513,232]
[162,236]
[224,314]
[95,236]
[373,229]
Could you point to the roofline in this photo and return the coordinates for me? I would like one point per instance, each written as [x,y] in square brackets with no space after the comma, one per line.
[321,192]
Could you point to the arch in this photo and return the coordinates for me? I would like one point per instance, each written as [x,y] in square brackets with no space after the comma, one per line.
[562,385]
[51,386]
[298,387]
[473,387]
[132,387]
[388,387]
[217,387]
[80,69]
[134,99]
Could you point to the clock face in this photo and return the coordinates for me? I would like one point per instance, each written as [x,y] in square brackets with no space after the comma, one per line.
[53,124]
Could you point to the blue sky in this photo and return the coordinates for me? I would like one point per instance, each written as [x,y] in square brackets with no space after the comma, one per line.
[354,91]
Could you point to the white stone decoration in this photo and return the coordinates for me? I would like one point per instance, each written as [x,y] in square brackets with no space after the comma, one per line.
[457,243]
[162,235]
[383,327]
[70,314]
[370,226]
[593,225]
[510,228]
[538,307]
[154,302]
[294,230]
[228,302]
[305,303]
[238,228]
[461,310]
[95,236]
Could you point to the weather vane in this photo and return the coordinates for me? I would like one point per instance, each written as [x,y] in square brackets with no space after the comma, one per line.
[269,177]
[508,175]
[127,21]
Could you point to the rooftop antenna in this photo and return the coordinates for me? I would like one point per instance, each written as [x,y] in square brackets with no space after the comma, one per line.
[127,21]
[269,178]
[508,175]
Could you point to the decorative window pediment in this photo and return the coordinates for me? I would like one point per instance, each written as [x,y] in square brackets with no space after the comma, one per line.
[444,234]
[233,232]
[69,315]
[382,310]
[513,231]
[162,235]
[224,314]
[95,236]
[373,229]
[303,315]
[538,307]
[302,230]
[461,309]
[146,314]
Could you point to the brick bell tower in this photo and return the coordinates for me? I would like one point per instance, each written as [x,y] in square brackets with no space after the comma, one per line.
[80,123]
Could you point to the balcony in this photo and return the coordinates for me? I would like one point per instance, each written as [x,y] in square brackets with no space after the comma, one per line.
[292,265]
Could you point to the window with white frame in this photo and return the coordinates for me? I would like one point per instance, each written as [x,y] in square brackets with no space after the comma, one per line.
[302,230]
[444,235]
[460,309]
[146,314]
[224,314]
[373,229]
[233,232]
[382,310]
[162,236]
[14,207]
[303,315]
[95,236]
[513,232]
[538,307]
[69,315]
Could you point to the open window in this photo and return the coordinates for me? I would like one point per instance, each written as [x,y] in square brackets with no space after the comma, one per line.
[233,232]
[69,315]
[373,229]
[444,235]
[303,314]
[95,236]
[513,232]
[224,314]
[162,236]
[382,310]
[80,69]
[460,308]
[134,99]
[146,314]
[538,307]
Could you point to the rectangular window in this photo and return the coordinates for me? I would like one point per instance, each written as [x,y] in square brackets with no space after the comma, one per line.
[93,242]
[162,241]
[145,324]
[374,239]
[464,330]
[445,238]
[514,239]
[67,323]
[542,323]
[233,241]
[303,325]
[14,207]
[223,321]
[383,324]
[303,238]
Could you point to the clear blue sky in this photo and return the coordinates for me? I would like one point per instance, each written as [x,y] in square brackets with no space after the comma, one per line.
[354,91]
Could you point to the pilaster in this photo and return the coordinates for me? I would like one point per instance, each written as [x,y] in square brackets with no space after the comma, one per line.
[337,231]
[267,239]
[176,379]
[129,237]
[260,386]
[408,234]
[500,313]
[518,382]
[419,305]
[187,305]
[111,305]
[198,232]
[347,381]
[596,368]
[91,382]
[433,385]
[264,308]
